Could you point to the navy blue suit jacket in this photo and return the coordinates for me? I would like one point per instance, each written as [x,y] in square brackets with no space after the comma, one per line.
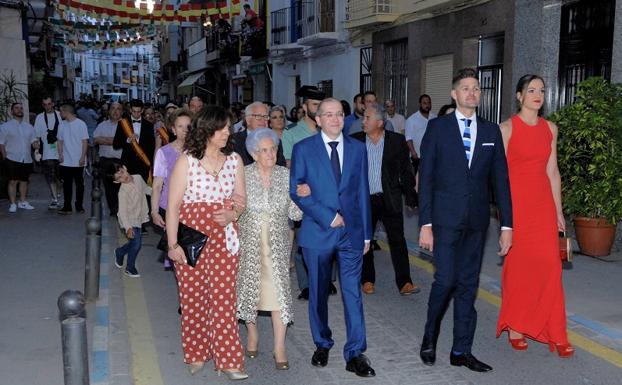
[453,195]
[310,164]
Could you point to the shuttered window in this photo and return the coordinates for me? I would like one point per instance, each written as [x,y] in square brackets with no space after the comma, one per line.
[437,80]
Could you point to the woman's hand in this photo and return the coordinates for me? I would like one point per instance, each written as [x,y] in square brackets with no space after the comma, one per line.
[561,221]
[303,190]
[223,216]
[157,219]
[239,202]
[177,255]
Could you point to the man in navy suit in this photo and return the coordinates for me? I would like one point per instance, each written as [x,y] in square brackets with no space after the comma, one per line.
[336,221]
[461,156]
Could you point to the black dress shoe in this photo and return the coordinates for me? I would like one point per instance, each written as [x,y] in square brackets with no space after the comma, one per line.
[469,360]
[320,357]
[375,246]
[428,352]
[360,366]
[304,294]
[332,290]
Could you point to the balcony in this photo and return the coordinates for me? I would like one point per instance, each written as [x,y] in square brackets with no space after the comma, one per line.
[283,33]
[315,23]
[367,13]
[222,46]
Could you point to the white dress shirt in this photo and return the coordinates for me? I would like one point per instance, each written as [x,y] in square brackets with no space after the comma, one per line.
[17,138]
[414,129]
[107,129]
[329,149]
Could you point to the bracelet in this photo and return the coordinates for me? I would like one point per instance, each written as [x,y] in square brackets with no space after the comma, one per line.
[173,247]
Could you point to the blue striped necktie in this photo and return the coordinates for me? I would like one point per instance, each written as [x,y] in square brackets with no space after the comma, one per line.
[466,138]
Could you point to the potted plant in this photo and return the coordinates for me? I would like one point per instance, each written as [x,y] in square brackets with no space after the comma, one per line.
[590,163]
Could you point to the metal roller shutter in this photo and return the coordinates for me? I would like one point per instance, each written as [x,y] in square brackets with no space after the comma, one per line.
[438,74]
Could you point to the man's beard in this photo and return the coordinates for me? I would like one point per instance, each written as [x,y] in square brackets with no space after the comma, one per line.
[18,115]
[311,115]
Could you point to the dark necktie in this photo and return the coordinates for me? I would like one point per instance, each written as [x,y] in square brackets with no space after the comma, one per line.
[334,161]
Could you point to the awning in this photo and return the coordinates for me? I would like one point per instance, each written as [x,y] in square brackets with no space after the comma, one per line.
[185,87]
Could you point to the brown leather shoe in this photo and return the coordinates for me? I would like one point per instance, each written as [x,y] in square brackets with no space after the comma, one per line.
[369,288]
[409,289]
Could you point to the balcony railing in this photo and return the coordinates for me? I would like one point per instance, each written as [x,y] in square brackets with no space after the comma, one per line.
[315,17]
[282,31]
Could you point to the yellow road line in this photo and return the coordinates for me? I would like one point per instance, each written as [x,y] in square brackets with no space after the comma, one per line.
[145,366]
[612,356]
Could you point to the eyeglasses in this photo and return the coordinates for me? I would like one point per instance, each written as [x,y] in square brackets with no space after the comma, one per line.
[260,117]
[330,115]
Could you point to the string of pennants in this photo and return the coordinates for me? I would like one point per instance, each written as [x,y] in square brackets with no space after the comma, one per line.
[125,11]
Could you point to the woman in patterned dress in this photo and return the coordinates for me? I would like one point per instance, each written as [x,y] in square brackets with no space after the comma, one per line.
[207,193]
[265,244]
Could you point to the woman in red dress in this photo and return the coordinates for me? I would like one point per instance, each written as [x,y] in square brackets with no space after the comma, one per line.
[532,292]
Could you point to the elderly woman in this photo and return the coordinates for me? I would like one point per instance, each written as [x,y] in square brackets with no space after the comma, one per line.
[277,120]
[263,279]
[206,193]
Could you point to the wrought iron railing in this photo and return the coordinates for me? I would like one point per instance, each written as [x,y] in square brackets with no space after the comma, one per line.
[360,9]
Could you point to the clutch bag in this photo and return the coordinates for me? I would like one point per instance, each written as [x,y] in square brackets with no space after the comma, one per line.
[565,247]
[190,240]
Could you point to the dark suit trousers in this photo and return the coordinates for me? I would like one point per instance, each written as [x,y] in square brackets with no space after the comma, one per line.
[319,264]
[415,163]
[457,259]
[71,175]
[111,189]
[394,226]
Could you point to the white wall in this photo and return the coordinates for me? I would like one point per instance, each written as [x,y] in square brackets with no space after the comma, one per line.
[13,49]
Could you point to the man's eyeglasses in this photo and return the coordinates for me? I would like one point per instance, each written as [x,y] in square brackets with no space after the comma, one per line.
[260,117]
[330,115]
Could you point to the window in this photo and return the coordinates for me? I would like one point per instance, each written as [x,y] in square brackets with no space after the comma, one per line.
[396,70]
[490,68]
[365,70]
[326,86]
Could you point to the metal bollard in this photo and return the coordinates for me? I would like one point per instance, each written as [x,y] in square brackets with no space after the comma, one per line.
[96,177]
[93,250]
[73,336]
[96,203]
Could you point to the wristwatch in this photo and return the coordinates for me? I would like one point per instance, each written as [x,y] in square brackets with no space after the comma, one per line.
[174,246]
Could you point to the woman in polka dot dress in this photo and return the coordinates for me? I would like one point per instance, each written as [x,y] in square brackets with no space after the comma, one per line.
[207,193]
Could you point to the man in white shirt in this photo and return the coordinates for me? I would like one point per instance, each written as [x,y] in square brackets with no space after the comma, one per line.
[46,128]
[415,126]
[108,156]
[17,138]
[73,139]
[397,120]
[369,99]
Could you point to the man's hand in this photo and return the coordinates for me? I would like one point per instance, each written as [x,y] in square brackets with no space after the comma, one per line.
[61,158]
[303,190]
[223,216]
[82,162]
[505,242]
[338,221]
[426,238]
[130,233]
[239,202]
[366,247]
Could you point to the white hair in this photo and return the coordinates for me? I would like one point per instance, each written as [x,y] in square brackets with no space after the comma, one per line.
[248,111]
[253,138]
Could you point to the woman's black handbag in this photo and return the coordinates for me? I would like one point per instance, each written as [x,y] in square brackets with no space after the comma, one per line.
[190,240]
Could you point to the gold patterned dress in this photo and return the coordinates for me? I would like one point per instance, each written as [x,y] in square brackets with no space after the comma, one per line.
[265,245]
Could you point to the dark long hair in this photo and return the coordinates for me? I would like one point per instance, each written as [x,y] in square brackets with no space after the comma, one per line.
[204,125]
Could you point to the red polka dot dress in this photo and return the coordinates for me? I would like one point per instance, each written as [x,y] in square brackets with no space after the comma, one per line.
[209,327]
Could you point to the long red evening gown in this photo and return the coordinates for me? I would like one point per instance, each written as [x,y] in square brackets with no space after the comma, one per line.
[532,292]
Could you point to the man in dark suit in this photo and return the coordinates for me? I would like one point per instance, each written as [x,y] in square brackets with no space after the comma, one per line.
[462,155]
[390,176]
[336,221]
[139,145]
[256,116]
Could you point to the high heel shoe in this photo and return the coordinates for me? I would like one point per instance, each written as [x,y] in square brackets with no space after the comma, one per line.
[233,375]
[195,367]
[280,365]
[518,343]
[563,350]
[251,353]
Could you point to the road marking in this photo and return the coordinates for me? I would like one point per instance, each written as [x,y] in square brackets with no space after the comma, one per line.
[145,366]
[612,356]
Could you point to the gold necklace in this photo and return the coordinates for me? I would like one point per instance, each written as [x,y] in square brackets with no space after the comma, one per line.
[210,170]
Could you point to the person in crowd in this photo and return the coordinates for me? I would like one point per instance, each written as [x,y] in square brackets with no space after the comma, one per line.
[397,120]
[336,222]
[73,139]
[46,128]
[257,116]
[207,193]
[240,117]
[532,293]
[346,107]
[263,280]
[277,121]
[17,139]
[300,113]
[306,127]
[165,159]
[387,158]
[163,133]
[415,129]
[87,112]
[196,104]
[133,212]
[369,98]
[292,118]
[447,109]
[357,113]
[103,112]
[108,156]
[135,138]
[454,213]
